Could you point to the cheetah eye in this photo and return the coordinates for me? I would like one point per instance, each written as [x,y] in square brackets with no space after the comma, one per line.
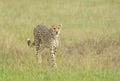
[54,28]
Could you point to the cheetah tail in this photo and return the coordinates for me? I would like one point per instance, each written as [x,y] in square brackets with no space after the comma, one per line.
[29,43]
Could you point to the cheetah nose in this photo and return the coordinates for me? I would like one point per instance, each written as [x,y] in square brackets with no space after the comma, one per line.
[56,32]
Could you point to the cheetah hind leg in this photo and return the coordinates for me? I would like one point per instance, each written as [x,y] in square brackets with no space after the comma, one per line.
[38,55]
[39,58]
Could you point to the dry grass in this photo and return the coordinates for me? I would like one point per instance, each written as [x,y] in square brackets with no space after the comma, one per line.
[98,50]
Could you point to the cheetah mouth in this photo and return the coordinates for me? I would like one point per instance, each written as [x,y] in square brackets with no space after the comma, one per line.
[57,33]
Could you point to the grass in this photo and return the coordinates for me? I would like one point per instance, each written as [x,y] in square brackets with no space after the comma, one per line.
[89,42]
[46,74]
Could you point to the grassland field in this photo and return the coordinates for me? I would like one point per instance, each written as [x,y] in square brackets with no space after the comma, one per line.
[89,42]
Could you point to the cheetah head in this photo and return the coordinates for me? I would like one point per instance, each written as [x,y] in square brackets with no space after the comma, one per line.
[56,30]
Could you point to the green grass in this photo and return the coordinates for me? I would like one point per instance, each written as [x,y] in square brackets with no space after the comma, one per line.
[89,42]
[46,74]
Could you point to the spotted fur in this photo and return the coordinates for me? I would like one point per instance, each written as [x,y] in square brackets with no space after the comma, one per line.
[46,37]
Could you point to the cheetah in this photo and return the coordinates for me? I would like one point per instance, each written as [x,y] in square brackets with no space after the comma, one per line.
[48,38]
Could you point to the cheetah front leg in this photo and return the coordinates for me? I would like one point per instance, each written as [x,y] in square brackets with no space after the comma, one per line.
[52,56]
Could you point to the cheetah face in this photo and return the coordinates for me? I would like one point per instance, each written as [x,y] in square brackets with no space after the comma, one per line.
[56,29]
